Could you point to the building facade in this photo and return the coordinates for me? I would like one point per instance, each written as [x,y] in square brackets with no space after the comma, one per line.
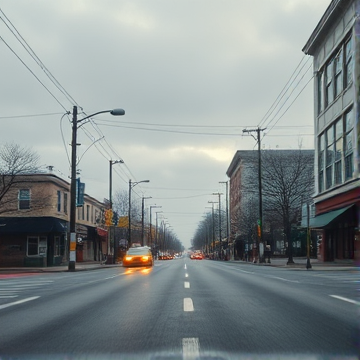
[334,46]
[34,224]
[296,166]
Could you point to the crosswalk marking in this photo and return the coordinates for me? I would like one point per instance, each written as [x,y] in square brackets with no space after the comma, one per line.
[191,348]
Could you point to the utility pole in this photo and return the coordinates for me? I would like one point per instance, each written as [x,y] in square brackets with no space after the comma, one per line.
[227,216]
[220,252]
[260,221]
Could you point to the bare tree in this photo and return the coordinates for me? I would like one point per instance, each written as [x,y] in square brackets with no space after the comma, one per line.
[288,181]
[15,161]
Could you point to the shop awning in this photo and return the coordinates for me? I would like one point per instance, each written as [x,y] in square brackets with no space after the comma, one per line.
[323,220]
[31,225]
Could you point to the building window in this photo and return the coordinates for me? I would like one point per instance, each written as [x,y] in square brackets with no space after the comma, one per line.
[36,245]
[321,162]
[59,201]
[349,133]
[339,141]
[329,82]
[320,92]
[92,214]
[348,62]
[24,199]
[338,73]
[329,157]
[65,203]
[87,212]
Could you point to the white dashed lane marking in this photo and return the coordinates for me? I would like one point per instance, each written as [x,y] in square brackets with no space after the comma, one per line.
[190,348]
[18,302]
[345,299]
[186,285]
[188,304]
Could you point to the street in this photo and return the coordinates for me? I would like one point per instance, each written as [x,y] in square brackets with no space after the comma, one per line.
[181,307]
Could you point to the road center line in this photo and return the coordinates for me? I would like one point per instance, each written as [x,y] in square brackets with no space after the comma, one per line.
[191,348]
[186,285]
[345,299]
[18,302]
[185,267]
[186,275]
[188,304]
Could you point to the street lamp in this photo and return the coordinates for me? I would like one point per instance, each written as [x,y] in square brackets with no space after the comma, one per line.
[111,163]
[227,215]
[151,207]
[142,218]
[156,229]
[213,222]
[75,122]
[219,194]
[131,185]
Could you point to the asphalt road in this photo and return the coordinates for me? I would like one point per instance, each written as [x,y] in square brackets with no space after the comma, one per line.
[183,308]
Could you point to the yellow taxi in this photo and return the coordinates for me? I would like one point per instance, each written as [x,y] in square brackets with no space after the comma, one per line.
[138,256]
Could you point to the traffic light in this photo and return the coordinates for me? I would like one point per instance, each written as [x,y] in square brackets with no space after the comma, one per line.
[108,217]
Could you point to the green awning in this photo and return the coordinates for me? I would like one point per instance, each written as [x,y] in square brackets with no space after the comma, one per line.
[322,220]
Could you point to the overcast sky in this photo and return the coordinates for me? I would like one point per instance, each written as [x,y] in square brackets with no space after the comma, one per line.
[191,76]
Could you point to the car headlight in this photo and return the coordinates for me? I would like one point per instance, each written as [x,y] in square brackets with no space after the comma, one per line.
[128,258]
[145,258]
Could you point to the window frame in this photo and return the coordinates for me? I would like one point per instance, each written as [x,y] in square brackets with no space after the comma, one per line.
[22,200]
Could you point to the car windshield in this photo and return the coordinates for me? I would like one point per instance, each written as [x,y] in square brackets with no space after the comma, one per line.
[138,251]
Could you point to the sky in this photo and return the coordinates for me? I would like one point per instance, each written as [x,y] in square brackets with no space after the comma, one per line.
[190,75]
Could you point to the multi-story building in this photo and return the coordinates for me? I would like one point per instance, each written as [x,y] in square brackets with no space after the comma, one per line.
[34,223]
[243,173]
[335,47]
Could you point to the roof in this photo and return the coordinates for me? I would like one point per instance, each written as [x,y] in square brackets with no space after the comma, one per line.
[333,12]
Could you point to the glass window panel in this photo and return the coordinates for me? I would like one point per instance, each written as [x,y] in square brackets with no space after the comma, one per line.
[33,246]
[330,155]
[338,73]
[329,178]
[349,123]
[348,62]
[339,129]
[339,149]
[329,72]
[349,166]
[321,181]
[320,93]
[349,141]
[330,136]
[338,172]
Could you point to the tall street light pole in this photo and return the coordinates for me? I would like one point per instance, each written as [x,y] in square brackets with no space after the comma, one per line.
[111,163]
[156,228]
[227,214]
[142,218]
[213,222]
[131,185]
[75,122]
[152,207]
[220,252]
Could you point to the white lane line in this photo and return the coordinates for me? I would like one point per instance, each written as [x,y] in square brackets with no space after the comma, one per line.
[8,296]
[18,302]
[345,299]
[186,275]
[280,278]
[191,348]
[188,304]
[186,285]
[247,272]
[185,267]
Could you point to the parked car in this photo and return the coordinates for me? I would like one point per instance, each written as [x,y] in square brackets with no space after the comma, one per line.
[138,256]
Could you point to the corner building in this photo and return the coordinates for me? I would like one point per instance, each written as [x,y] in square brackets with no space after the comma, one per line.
[335,48]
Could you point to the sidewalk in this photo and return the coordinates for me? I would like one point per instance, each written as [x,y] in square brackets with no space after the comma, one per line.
[300,264]
[79,266]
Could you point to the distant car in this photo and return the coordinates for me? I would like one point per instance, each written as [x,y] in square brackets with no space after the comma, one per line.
[138,256]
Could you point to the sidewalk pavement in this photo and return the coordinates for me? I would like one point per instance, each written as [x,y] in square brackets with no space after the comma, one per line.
[79,266]
[300,264]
